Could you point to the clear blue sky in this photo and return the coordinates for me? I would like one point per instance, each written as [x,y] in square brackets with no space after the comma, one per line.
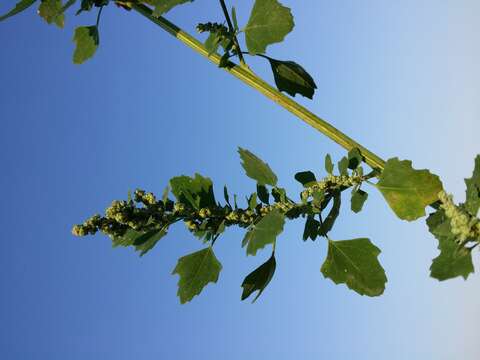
[402,77]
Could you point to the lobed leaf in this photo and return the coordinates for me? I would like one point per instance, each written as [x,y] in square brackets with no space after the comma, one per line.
[163,6]
[259,278]
[454,260]
[269,23]
[194,191]
[264,232]
[196,270]
[87,40]
[256,169]
[406,190]
[52,12]
[355,263]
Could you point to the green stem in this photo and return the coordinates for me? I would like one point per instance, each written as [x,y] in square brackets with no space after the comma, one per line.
[248,77]
[232,30]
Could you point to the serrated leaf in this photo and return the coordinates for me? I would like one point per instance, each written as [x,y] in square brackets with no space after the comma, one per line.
[196,270]
[264,232]
[259,278]
[354,263]
[256,169]
[355,158]
[269,23]
[52,12]
[358,199]
[472,203]
[305,177]
[328,164]
[291,78]
[343,166]
[163,6]
[141,241]
[311,228]
[406,190]
[194,191]
[19,7]
[453,260]
[87,40]
[263,193]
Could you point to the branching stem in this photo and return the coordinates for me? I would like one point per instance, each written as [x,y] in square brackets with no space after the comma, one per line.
[232,30]
[248,77]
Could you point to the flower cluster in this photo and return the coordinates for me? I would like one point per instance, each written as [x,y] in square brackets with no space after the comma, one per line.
[144,212]
[463,226]
[331,183]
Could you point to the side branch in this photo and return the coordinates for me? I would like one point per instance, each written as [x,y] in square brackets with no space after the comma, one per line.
[249,78]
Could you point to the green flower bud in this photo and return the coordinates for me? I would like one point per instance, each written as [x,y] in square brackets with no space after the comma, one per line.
[204,213]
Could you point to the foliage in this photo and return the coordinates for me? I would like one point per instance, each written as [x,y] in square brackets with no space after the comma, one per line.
[143,220]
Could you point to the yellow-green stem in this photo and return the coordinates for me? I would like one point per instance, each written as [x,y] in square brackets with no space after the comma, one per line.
[248,77]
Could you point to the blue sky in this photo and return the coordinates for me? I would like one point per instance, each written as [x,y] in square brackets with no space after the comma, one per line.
[402,78]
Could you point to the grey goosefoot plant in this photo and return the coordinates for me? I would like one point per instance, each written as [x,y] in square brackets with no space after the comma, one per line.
[143,219]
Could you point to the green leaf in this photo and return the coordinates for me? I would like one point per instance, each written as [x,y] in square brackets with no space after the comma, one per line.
[454,260]
[225,195]
[196,270]
[269,23]
[212,43]
[52,12]
[292,78]
[311,228]
[343,166]
[358,199]
[332,216]
[256,169]
[163,6]
[355,263]
[252,201]
[472,203]
[87,40]
[234,19]
[263,194]
[19,7]
[195,191]
[328,164]
[259,278]
[355,158]
[264,232]
[279,194]
[142,241]
[406,190]
[305,177]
